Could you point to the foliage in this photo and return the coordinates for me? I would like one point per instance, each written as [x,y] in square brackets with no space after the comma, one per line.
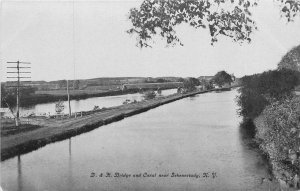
[160,80]
[127,101]
[289,9]
[207,84]
[149,95]
[250,102]
[96,107]
[228,18]
[9,95]
[62,83]
[190,83]
[76,84]
[291,60]
[59,107]
[222,78]
[259,90]
[180,80]
[281,135]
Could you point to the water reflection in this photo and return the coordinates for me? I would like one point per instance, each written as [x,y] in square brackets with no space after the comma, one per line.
[70,169]
[70,147]
[19,173]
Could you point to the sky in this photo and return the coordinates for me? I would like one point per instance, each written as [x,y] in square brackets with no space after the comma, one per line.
[92,42]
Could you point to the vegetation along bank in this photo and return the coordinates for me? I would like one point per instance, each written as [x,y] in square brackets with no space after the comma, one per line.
[270,101]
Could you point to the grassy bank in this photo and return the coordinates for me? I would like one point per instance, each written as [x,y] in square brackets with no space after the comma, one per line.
[51,130]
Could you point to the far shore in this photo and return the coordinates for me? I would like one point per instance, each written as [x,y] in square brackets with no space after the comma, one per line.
[52,97]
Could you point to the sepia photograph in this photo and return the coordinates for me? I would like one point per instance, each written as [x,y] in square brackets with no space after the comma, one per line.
[150,95]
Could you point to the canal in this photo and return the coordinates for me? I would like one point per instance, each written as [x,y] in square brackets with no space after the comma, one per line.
[196,138]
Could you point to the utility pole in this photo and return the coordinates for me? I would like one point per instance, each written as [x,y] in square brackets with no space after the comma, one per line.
[69,98]
[18,72]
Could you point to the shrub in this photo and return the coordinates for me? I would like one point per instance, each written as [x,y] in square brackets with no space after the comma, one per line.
[59,107]
[290,60]
[222,78]
[251,103]
[190,83]
[149,95]
[259,90]
[281,131]
[96,107]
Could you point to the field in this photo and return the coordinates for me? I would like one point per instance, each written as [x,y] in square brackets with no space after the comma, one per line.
[72,92]
[91,90]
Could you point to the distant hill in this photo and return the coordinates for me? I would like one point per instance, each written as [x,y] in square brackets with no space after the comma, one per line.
[97,83]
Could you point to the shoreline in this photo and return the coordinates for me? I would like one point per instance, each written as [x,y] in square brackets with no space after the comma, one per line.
[280,171]
[49,98]
[52,130]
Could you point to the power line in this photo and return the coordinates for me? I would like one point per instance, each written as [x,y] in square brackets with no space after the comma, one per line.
[18,77]
[73,36]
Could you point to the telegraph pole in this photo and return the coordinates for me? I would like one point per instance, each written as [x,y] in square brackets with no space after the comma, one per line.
[69,98]
[18,67]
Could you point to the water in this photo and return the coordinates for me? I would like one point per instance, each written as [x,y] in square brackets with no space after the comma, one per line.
[198,134]
[86,104]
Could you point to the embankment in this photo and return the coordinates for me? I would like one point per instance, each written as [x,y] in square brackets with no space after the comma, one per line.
[52,130]
[277,133]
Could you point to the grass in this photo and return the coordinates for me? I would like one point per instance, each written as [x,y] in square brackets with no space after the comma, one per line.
[72,92]
[8,127]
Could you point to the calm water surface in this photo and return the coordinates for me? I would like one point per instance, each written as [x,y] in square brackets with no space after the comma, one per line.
[194,135]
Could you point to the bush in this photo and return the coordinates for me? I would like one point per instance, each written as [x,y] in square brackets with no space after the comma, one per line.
[222,78]
[190,83]
[280,132]
[9,95]
[59,107]
[259,90]
[289,61]
[251,103]
[149,95]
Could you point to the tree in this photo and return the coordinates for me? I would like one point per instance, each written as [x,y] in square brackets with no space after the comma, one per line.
[291,60]
[62,84]
[228,18]
[190,83]
[160,80]
[59,107]
[149,95]
[180,80]
[9,95]
[259,90]
[207,84]
[222,78]
[76,84]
